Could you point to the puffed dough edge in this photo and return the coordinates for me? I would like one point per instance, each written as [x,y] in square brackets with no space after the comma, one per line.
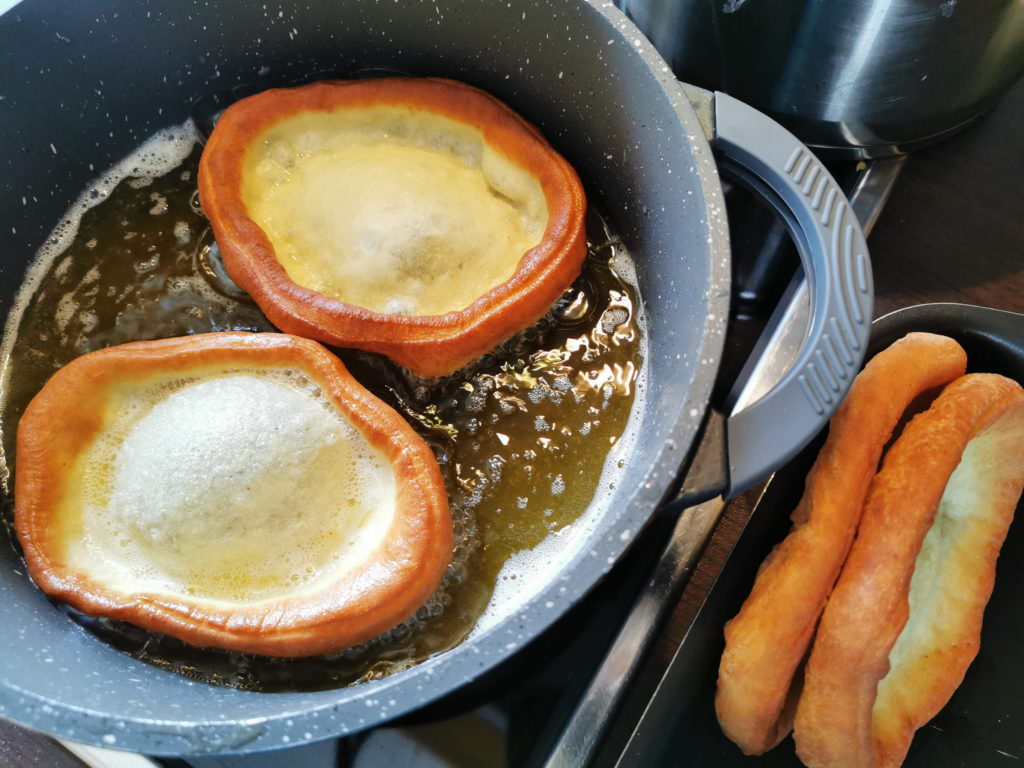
[943,634]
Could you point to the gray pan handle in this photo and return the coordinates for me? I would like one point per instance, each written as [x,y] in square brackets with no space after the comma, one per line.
[768,433]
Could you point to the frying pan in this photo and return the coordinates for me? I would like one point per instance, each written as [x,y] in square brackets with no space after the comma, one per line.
[82,84]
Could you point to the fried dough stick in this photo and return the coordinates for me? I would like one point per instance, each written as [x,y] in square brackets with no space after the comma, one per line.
[904,621]
[768,639]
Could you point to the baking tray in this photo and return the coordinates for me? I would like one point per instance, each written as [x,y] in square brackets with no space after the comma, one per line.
[982,725]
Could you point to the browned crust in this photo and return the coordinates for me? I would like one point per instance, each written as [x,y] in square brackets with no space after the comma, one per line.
[768,639]
[869,606]
[65,417]
[430,345]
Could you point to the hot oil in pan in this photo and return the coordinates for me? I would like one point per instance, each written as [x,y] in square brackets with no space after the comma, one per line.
[521,435]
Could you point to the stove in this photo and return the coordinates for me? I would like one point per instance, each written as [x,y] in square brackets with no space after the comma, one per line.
[576,696]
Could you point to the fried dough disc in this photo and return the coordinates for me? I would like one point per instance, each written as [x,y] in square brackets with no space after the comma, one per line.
[767,640]
[955,572]
[233,490]
[933,594]
[418,218]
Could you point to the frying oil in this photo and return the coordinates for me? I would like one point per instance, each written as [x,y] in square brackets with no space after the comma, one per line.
[521,435]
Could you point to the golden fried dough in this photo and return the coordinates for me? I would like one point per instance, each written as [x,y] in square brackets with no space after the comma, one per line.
[233,490]
[904,620]
[768,639]
[419,218]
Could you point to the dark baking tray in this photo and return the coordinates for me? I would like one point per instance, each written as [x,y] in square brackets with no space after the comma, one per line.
[982,725]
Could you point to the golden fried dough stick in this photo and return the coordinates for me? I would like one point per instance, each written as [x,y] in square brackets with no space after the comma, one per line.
[845,717]
[767,640]
[952,582]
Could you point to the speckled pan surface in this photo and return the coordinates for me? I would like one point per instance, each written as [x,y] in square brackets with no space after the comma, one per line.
[82,84]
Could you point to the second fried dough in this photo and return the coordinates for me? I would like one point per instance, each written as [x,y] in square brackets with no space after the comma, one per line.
[921,615]
[768,639]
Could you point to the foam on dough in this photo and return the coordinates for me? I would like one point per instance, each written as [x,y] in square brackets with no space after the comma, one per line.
[393,210]
[300,494]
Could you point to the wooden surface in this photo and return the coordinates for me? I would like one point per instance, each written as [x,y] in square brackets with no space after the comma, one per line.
[953,231]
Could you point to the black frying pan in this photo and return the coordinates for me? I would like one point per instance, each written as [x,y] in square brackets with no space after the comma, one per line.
[82,84]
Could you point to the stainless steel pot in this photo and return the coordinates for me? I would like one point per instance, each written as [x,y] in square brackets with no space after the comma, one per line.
[867,77]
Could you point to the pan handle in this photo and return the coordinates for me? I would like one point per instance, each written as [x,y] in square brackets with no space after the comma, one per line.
[765,156]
